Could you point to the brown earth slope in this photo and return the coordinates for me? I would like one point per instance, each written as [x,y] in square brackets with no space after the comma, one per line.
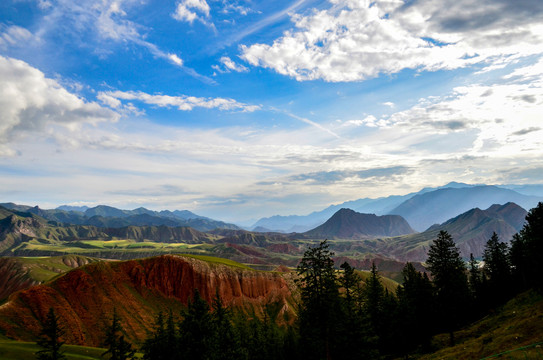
[85,298]
[21,273]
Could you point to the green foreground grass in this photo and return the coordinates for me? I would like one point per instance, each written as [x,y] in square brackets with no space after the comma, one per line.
[18,350]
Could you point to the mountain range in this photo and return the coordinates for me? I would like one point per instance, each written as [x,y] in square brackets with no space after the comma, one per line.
[422,209]
[110,217]
[470,231]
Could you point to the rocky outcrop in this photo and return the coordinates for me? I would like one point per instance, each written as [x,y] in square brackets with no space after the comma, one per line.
[85,298]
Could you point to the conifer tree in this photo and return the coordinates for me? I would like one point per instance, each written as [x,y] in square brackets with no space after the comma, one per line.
[196,329]
[153,347]
[162,343]
[117,347]
[374,293]
[415,310]
[497,269]
[50,338]
[450,282]
[226,344]
[474,276]
[526,250]
[354,335]
[477,286]
[320,311]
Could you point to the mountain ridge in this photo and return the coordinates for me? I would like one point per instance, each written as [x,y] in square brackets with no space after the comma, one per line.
[107,216]
[349,224]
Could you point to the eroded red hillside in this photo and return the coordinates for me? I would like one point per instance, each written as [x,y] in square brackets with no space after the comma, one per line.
[85,297]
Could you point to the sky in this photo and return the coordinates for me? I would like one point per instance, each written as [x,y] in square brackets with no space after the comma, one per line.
[239,109]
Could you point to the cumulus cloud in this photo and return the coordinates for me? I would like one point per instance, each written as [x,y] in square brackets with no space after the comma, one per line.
[357,40]
[184,103]
[30,101]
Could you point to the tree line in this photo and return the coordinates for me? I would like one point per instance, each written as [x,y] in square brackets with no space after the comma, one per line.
[341,316]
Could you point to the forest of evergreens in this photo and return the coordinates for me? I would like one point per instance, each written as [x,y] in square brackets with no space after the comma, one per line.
[339,316]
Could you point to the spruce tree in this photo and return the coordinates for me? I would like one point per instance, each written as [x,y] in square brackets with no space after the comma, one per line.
[374,294]
[450,282]
[354,334]
[497,269]
[162,343]
[117,347]
[225,343]
[50,338]
[320,311]
[526,250]
[415,310]
[196,329]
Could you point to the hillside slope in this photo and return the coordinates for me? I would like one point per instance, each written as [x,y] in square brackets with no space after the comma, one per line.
[515,329]
[22,273]
[84,298]
[470,231]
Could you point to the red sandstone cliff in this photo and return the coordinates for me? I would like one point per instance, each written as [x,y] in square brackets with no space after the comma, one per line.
[84,298]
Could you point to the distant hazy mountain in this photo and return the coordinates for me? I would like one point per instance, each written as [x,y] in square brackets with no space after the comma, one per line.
[379,206]
[349,224]
[470,231]
[73,208]
[107,216]
[532,189]
[436,207]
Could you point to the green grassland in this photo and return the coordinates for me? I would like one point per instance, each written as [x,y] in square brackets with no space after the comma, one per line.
[217,260]
[18,350]
[44,268]
[107,248]
[388,284]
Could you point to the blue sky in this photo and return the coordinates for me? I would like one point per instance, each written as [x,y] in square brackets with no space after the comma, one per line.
[243,109]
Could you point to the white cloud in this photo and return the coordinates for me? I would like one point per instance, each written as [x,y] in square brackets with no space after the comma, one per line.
[233,6]
[15,36]
[228,65]
[184,102]
[357,40]
[491,119]
[30,102]
[108,19]
[190,10]
[175,59]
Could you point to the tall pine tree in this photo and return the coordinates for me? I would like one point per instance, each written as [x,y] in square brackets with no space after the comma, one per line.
[117,346]
[50,339]
[450,283]
[416,310]
[196,329]
[497,270]
[526,250]
[320,311]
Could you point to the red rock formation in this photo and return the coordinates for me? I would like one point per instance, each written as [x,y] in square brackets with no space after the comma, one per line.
[84,298]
